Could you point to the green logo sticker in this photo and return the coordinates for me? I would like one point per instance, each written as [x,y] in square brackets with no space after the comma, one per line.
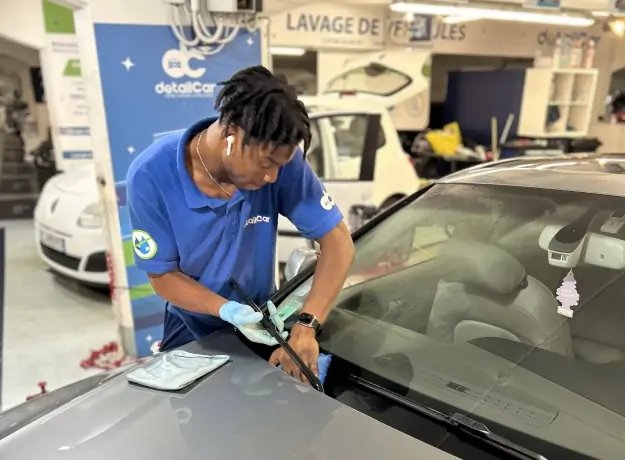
[143,244]
[72,68]
[289,309]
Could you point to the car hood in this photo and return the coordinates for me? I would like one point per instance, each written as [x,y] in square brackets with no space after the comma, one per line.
[77,181]
[247,409]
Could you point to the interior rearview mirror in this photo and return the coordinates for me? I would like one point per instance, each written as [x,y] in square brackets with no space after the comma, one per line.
[298,261]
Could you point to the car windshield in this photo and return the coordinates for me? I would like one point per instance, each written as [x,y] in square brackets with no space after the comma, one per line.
[501,302]
[372,79]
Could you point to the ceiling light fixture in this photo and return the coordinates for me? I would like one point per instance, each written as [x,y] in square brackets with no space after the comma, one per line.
[459,19]
[600,14]
[618,27]
[493,14]
[283,51]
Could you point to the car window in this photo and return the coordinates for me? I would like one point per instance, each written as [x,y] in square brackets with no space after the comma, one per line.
[348,133]
[475,285]
[374,79]
[315,151]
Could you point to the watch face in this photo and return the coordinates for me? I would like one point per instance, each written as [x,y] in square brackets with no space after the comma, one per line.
[307,318]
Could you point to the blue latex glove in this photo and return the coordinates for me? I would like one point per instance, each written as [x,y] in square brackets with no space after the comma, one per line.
[323,364]
[247,320]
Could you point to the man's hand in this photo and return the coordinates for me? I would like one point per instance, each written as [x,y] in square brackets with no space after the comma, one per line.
[247,320]
[305,344]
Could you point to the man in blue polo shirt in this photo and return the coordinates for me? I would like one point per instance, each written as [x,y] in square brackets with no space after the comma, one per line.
[204,207]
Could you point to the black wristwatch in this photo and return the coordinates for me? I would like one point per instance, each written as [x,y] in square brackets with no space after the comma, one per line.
[311,321]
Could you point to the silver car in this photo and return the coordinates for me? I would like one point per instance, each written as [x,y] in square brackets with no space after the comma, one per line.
[482,319]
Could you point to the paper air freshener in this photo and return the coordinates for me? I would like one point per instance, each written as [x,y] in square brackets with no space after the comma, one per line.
[567,295]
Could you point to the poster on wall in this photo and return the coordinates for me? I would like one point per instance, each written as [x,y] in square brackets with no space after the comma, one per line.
[166,87]
[64,88]
[399,80]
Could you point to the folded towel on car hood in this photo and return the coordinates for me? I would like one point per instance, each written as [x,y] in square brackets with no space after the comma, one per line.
[175,370]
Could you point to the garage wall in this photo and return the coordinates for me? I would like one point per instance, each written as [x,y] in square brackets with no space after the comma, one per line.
[295,28]
[611,59]
[442,64]
[21,21]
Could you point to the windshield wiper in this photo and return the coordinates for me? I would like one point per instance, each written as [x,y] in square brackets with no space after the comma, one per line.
[273,331]
[457,421]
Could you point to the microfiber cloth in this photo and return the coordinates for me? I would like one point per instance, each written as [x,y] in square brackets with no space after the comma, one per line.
[175,370]
[323,364]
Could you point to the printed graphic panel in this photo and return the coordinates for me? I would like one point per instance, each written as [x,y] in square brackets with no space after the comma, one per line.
[159,88]
[151,87]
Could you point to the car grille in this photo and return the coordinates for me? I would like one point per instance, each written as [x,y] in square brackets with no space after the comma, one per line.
[60,258]
[96,263]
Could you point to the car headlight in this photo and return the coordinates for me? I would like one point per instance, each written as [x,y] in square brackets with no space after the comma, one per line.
[91,217]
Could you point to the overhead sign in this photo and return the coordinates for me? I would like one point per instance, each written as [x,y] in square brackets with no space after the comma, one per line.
[423,29]
[483,38]
[328,26]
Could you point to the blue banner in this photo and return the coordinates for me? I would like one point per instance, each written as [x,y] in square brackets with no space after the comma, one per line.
[151,86]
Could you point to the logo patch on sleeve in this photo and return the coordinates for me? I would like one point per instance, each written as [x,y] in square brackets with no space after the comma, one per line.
[326,201]
[143,244]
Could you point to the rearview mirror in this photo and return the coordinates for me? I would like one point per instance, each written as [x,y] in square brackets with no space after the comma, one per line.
[298,261]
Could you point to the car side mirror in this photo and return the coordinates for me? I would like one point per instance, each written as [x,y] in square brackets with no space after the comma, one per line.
[298,261]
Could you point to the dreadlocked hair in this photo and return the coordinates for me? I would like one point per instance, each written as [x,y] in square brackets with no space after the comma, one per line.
[265,107]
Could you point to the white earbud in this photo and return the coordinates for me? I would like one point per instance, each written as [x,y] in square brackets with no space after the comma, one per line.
[230,141]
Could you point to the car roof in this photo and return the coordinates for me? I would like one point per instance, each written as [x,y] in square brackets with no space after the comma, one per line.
[246,409]
[317,105]
[585,173]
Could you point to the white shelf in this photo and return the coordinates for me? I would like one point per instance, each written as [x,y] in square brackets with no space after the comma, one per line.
[557,102]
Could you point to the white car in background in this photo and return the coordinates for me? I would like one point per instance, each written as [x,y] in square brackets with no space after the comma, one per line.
[69,227]
[356,152]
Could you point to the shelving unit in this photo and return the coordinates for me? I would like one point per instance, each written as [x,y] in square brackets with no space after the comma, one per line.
[557,102]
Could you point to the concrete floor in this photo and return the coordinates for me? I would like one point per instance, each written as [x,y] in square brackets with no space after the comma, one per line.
[50,324]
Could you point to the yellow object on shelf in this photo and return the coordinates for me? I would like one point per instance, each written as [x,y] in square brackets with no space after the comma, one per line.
[445,141]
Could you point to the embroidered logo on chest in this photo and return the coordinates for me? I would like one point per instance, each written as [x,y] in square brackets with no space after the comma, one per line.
[257,220]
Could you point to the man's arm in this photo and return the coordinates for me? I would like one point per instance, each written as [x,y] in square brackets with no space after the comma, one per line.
[304,201]
[186,293]
[337,255]
[149,216]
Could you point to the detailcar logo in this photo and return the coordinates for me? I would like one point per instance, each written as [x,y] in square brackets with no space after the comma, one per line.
[326,202]
[256,220]
[177,64]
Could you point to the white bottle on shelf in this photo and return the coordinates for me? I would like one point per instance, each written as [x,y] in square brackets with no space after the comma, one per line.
[576,55]
[589,54]
[557,53]
[565,56]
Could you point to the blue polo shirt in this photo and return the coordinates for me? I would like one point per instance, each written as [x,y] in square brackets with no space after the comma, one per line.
[176,227]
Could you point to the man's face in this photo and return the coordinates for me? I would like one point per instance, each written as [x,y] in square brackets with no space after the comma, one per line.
[256,164]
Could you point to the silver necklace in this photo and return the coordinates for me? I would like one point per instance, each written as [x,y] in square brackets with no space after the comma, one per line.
[197,150]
